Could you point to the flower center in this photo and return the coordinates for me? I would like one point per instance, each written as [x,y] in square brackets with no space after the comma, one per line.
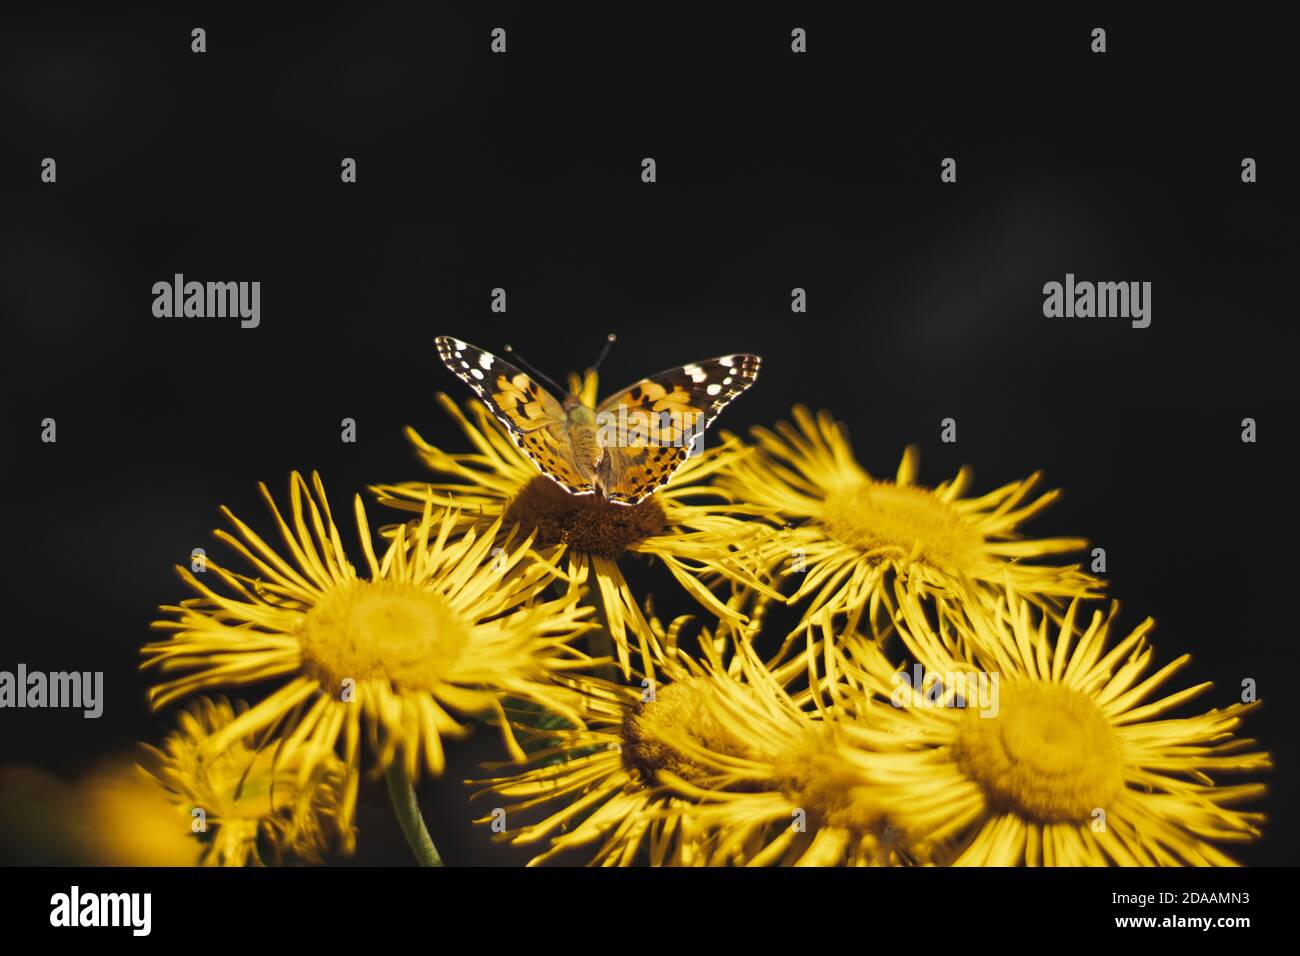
[680,707]
[386,630]
[831,790]
[1049,754]
[882,516]
[587,523]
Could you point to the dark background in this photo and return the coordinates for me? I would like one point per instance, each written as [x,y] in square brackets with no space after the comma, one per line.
[523,171]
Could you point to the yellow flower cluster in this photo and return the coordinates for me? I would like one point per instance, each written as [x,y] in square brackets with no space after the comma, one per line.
[940,691]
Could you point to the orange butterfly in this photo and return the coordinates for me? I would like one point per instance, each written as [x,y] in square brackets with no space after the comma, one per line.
[625,448]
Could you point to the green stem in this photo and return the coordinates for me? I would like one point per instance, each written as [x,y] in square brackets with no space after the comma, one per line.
[407,809]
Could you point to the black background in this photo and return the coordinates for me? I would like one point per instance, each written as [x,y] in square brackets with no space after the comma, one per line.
[523,171]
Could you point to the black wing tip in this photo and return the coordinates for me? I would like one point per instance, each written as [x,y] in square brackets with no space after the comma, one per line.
[455,341]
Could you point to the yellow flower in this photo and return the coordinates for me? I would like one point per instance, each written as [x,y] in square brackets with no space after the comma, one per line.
[604,799]
[606,775]
[1055,754]
[861,543]
[243,796]
[440,621]
[789,788]
[700,535]
[713,762]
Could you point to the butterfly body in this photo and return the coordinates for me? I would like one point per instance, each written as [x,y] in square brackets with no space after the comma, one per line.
[582,436]
[622,449]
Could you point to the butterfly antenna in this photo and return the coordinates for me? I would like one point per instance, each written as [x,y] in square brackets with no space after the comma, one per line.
[609,344]
[532,368]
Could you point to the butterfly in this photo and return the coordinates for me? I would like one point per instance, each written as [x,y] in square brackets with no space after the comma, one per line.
[623,449]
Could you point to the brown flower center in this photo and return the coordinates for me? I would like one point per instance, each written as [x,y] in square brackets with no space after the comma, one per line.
[587,523]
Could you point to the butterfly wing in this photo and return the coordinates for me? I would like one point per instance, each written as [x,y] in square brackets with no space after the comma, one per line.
[534,417]
[647,430]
